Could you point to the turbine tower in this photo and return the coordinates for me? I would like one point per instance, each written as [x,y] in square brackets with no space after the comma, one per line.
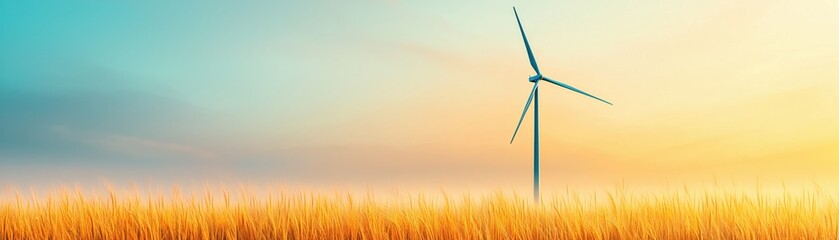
[534,97]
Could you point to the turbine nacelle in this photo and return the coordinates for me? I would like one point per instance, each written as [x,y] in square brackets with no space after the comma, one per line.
[535,78]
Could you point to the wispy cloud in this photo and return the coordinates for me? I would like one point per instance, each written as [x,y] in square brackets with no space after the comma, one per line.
[137,145]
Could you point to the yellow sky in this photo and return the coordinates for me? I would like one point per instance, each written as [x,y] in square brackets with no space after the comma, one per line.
[742,90]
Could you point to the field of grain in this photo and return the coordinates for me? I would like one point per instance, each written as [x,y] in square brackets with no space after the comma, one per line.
[279,214]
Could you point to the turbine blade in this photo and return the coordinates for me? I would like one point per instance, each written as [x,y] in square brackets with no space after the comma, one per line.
[569,87]
[526,44]
[526,106]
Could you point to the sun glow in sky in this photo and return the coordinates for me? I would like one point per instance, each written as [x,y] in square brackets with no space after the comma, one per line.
[409,94]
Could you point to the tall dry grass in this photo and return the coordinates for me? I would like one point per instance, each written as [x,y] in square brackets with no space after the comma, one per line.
[279,214]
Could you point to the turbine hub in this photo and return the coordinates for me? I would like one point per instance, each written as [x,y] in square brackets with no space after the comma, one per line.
[535,78]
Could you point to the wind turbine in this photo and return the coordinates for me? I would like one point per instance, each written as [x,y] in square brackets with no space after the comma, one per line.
[534,97]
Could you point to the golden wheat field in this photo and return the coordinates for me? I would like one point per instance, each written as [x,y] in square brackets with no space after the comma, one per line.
[280,214]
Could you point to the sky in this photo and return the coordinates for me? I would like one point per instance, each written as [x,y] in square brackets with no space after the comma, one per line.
[417,95]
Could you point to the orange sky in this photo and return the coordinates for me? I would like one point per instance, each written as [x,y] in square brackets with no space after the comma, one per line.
[738,90]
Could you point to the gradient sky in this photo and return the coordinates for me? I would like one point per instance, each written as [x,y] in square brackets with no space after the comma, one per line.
[408,94]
